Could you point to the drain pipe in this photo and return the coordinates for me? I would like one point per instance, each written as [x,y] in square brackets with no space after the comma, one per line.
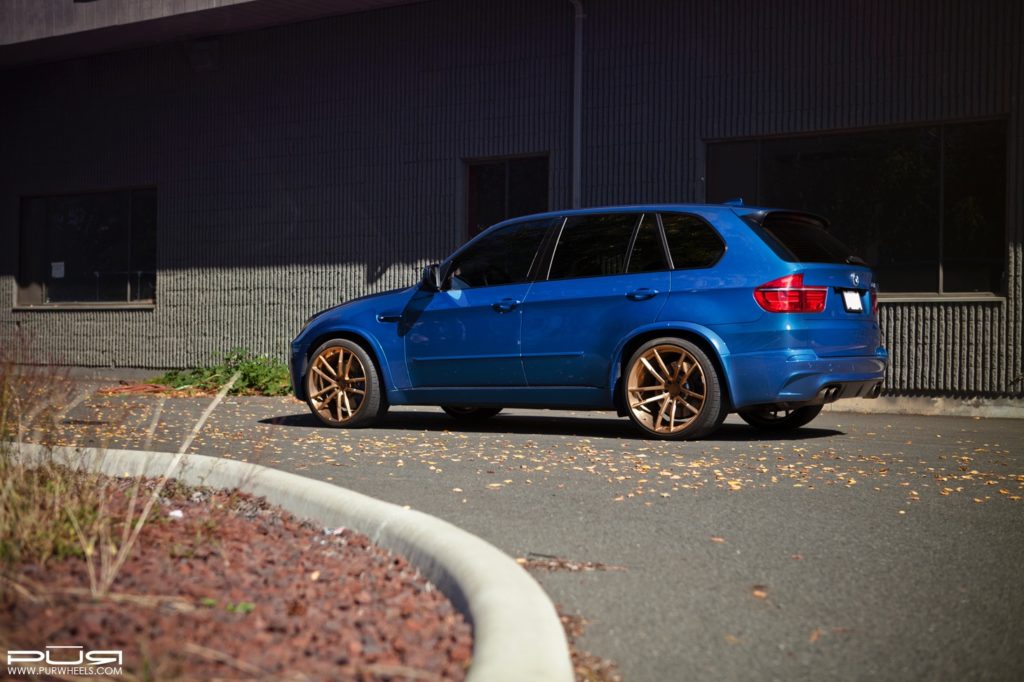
[577,103]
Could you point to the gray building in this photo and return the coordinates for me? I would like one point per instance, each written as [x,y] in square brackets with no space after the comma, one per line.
[180,178]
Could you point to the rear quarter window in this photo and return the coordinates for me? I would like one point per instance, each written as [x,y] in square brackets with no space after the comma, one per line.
[691,241]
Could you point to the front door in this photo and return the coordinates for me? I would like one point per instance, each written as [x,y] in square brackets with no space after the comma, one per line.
[469,333]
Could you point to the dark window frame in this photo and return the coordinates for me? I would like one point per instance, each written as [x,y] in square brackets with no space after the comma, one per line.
[668,247]
[536,264]
[21,305]
[997,293]
[556,242]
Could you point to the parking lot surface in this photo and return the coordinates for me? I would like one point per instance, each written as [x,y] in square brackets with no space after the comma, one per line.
[862,546]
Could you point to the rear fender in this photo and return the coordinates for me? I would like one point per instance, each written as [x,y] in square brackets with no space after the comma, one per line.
[713,340]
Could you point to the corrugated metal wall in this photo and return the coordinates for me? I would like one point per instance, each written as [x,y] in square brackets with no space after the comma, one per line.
[664,77]
[300,165]
[296,167]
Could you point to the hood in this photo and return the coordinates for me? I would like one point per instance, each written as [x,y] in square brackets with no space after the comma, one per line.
[356,305]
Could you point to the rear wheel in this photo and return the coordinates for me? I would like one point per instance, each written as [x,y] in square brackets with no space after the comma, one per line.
[470,413]
[343,388]
[673,391]
[772,419]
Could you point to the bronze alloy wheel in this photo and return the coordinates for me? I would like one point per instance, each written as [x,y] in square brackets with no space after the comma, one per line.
[672,390]
[341,385]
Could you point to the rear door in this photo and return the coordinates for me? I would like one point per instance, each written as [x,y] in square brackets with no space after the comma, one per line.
[608,275]
[849,323]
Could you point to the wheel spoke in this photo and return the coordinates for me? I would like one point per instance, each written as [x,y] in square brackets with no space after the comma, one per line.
[327,399]
[348,405]
[322,361]
[689,370]
[329,379]
[348,365]
[672,417]
[661,363]
[650,400]
[651,369]
[330,387]
[690,407]
[661,413]
[647,389]
[337,405]
[692,394]
[680,366]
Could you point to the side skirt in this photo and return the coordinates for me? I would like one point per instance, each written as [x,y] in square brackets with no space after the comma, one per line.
[542,397]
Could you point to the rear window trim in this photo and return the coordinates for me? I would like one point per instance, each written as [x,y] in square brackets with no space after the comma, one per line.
[756,222]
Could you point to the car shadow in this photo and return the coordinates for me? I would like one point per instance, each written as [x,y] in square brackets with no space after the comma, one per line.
[543,425]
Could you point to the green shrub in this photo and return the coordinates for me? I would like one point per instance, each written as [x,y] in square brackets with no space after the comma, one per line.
[260,375]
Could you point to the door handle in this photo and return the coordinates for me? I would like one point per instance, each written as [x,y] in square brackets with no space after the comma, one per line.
[505,305]
[642,294]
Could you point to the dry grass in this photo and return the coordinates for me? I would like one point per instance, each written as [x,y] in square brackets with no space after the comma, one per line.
[49,510]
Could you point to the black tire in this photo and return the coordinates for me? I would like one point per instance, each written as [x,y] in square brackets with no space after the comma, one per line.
[470,413]
[700,378]
[769,419]
[359,410]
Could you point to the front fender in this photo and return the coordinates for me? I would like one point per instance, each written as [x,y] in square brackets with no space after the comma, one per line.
[316,334]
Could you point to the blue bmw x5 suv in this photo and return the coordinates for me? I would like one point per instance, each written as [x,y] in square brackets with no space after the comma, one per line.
[674,315]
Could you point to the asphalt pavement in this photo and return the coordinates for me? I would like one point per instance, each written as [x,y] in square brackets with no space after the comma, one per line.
[860,547]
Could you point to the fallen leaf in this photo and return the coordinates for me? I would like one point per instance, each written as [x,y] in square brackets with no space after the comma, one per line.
[760,591]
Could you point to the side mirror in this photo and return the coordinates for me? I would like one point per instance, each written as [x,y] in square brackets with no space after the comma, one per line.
[431,280]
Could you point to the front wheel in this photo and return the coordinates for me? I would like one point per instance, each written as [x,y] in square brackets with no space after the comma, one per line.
[673,391]
[470,413]
[343,388]
[772,419]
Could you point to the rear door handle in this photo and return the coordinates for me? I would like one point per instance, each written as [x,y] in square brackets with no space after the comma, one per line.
[505,305]
[642,294]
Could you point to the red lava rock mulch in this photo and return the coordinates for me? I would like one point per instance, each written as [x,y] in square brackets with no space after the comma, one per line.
[239,589]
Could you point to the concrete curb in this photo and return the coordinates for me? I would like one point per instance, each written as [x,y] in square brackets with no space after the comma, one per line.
[516,630]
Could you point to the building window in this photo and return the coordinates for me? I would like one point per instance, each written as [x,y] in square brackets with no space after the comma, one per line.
[88,248]
[499,189]
[925,206]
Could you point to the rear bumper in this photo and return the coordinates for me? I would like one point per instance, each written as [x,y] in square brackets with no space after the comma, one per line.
[800,377]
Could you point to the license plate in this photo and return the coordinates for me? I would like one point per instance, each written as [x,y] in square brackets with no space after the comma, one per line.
[851,300]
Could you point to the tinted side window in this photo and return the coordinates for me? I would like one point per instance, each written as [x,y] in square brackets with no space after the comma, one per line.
[648,254]
[593,245]
[691,241]
[502,257]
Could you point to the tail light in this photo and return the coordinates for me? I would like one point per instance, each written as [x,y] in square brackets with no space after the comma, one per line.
[874,300]
[789,295]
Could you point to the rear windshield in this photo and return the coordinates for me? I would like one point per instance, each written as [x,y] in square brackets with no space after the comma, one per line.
[800,238]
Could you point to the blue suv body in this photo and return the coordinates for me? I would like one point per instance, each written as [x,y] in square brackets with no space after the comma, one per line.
[674,315]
